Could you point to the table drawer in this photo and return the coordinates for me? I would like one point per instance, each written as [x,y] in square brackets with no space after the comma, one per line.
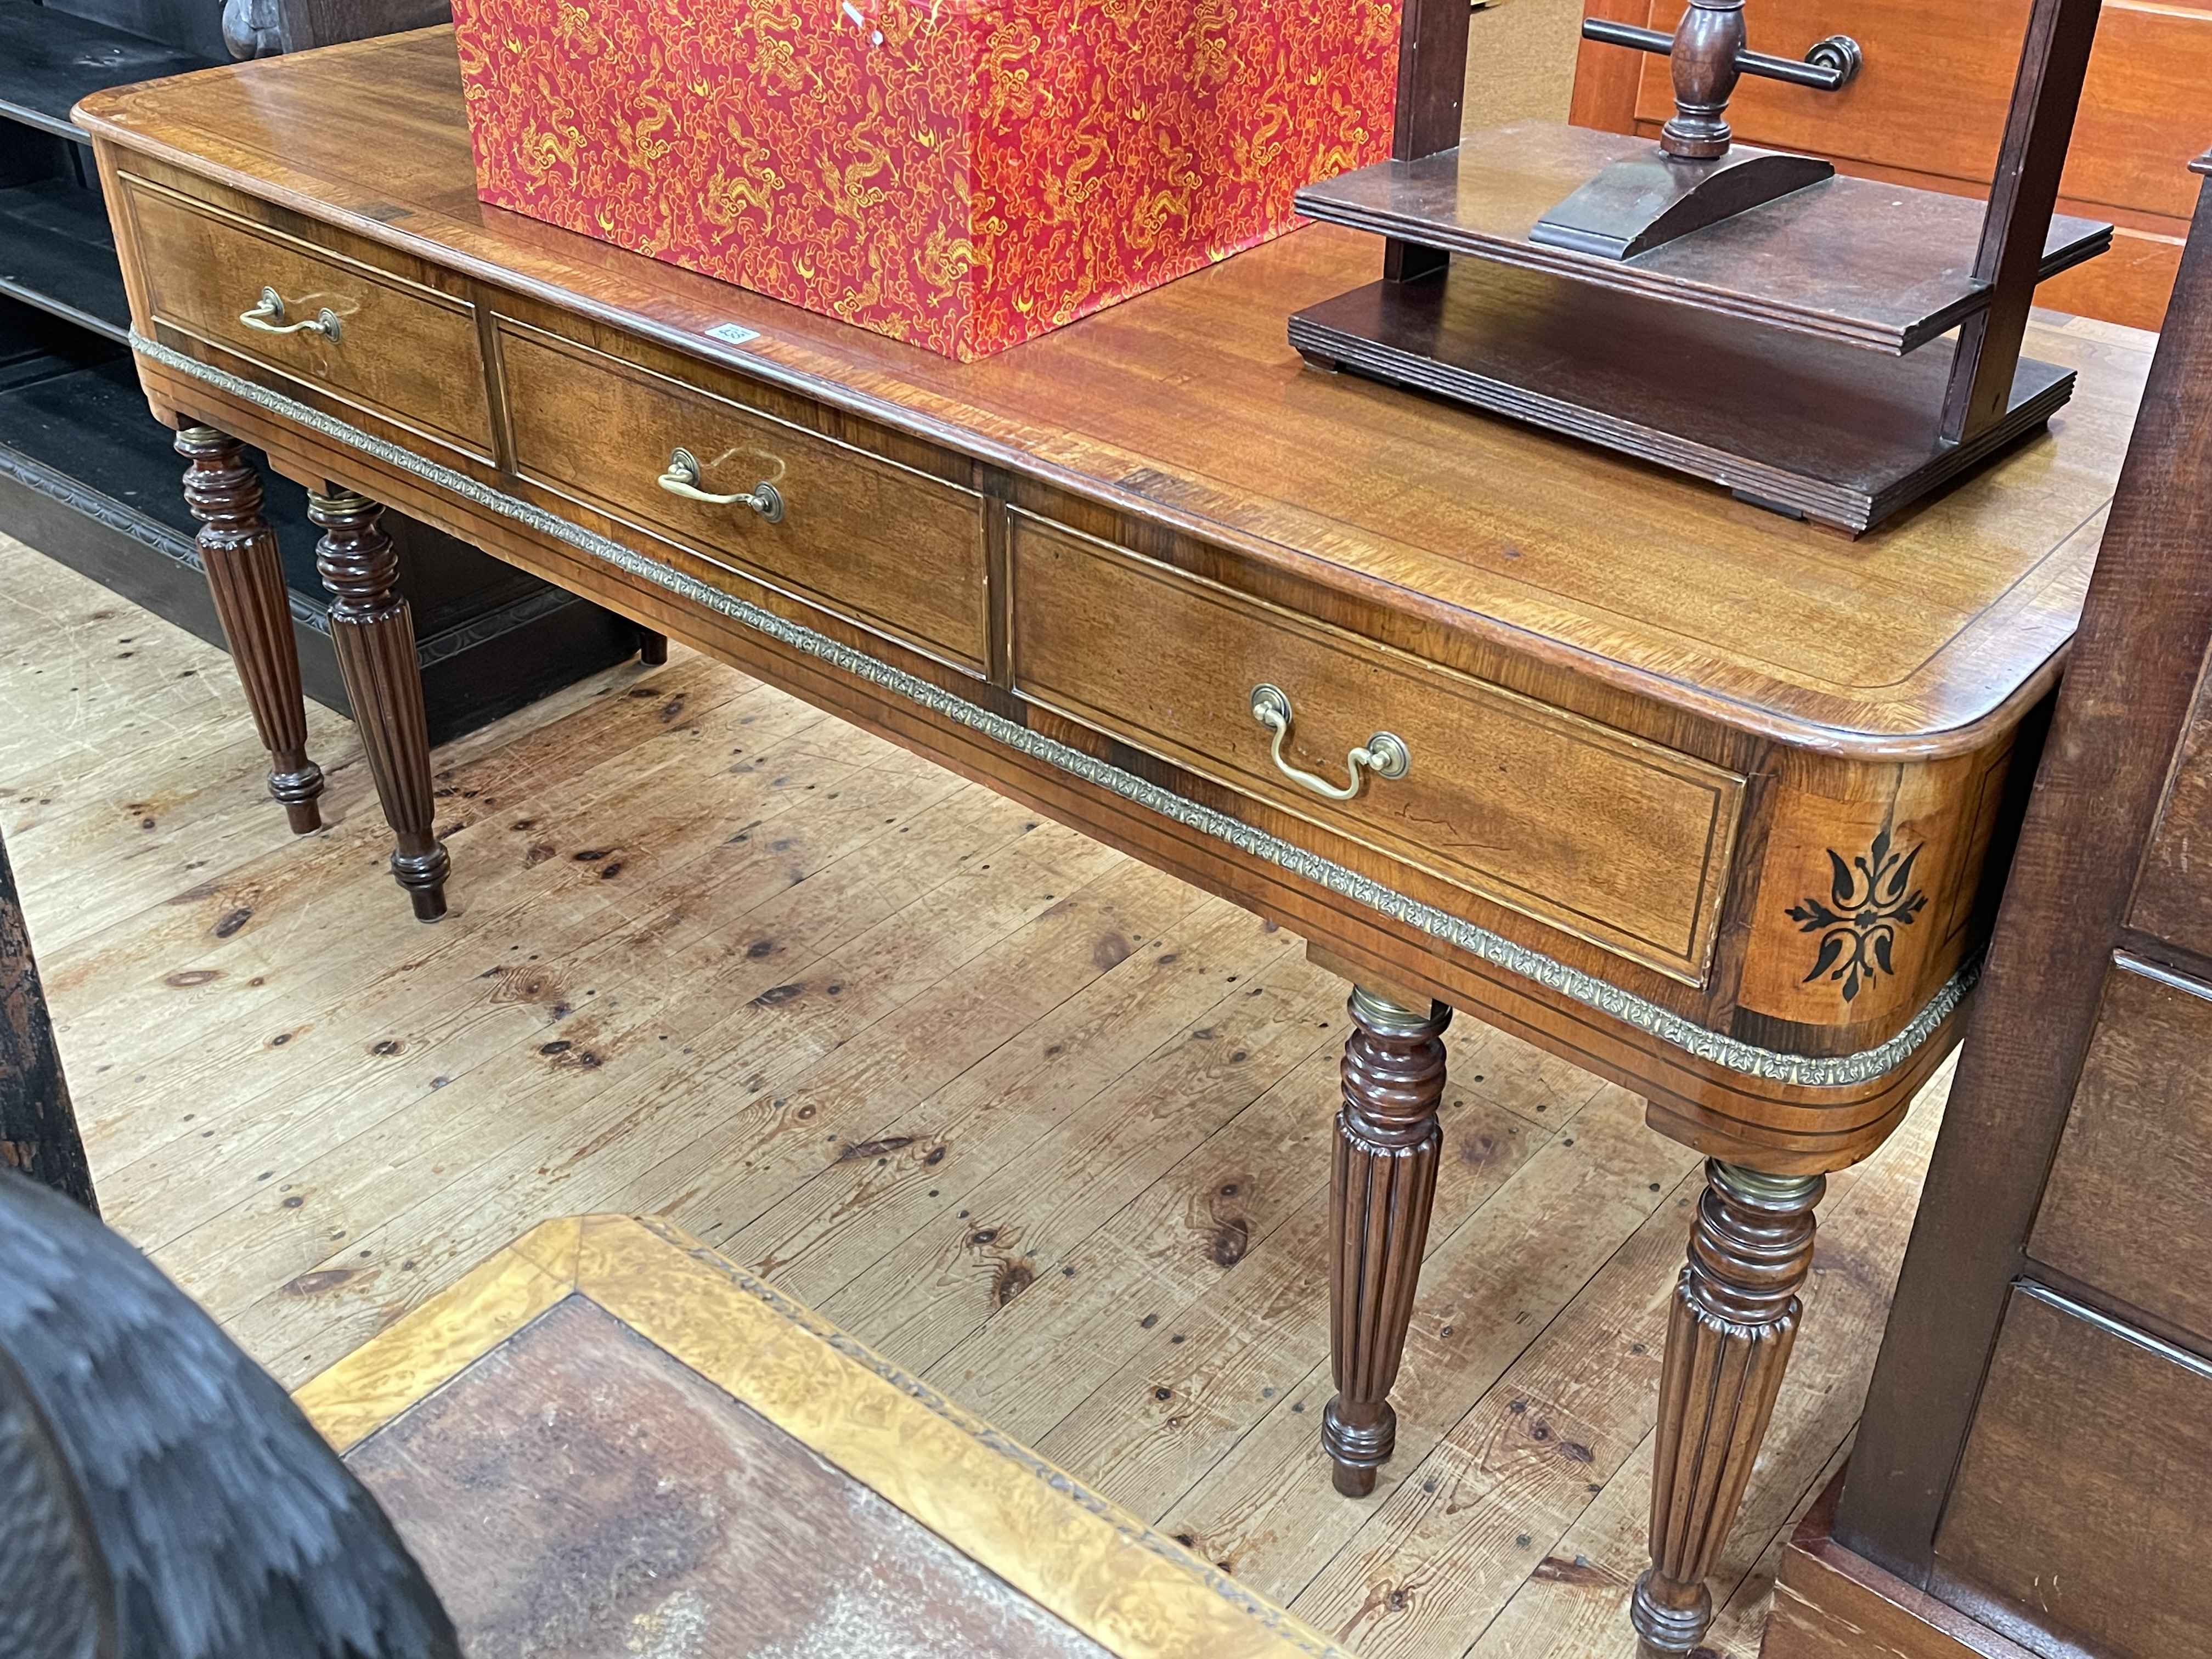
[2129,1205]
[1602,834]
[892,548]
[402,350]
[2081,1495]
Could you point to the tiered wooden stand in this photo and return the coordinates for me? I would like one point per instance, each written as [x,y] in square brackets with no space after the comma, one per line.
[1793,350]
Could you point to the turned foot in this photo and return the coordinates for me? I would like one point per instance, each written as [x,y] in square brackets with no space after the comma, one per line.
[374,633]
[652,648]
[1382,1183]
[1728,1336]
[245,578]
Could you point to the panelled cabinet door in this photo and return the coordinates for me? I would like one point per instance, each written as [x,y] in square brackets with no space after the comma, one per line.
[2091,1520]
[2125,1208]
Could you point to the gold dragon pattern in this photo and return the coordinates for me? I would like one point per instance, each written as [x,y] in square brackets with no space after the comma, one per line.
[960,175]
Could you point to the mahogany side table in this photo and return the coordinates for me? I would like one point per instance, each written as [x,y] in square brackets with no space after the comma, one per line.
[1711,803]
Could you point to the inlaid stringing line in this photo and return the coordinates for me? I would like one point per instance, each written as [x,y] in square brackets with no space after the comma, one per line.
[1805,1071]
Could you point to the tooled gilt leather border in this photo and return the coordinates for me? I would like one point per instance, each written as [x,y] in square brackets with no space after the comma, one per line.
[1803,1071]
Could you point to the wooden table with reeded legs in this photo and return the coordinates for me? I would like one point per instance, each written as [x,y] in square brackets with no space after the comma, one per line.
[1709,802]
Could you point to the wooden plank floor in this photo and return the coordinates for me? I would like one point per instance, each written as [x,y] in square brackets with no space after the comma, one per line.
[1041,1124]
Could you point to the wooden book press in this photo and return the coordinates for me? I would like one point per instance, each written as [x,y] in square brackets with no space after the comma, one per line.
[1740,315]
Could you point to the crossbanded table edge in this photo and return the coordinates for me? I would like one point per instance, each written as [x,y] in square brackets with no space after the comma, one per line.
[1717,1048]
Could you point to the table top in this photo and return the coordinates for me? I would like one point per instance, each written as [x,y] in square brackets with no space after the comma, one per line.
[607,1439]
[1187,407]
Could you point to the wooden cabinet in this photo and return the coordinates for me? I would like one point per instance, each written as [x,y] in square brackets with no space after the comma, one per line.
[2128,1204]
[1929,110]
[2033,1475]
[2171,897]
[2082,1496]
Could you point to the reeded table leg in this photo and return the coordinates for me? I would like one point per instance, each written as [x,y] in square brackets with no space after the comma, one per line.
[1728,1337]
[239,550]
[374,634]
[1380,1191]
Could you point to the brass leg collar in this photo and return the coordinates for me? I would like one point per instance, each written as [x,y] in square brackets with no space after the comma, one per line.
[1379,1014]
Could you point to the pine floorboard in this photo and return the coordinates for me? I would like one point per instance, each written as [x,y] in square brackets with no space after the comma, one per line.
[1041,1124]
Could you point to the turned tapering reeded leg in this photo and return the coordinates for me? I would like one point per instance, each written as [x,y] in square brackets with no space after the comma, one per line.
[374,633]
[1728,1337]
[1382,1183]
[247,579]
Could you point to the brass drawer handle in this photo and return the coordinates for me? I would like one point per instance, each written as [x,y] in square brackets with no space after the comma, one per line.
[268,316]
[682,478]
[1385,754]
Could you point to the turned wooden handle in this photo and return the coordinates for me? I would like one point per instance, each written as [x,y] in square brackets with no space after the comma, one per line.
[1828,66]
[1708,55]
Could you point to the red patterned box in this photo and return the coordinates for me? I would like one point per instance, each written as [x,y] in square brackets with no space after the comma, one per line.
[963,174]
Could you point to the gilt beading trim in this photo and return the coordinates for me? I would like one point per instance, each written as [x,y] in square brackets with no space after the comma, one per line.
[1770,1065]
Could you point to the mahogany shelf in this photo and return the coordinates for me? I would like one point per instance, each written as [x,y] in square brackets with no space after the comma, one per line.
[1876,266]
[1841,435]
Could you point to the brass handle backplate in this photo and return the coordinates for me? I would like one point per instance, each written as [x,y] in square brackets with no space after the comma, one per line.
[268,316]
[1384,755]
[682,478]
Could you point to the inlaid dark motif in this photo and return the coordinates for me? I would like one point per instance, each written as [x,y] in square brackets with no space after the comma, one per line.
[1869,899]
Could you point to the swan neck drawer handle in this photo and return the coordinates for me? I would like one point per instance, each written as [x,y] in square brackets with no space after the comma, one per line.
[268,316]
[1384,755]
[682,478]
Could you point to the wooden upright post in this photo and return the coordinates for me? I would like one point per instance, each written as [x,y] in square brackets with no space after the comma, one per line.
[2131,681]
[2053,60]
[1431,86]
